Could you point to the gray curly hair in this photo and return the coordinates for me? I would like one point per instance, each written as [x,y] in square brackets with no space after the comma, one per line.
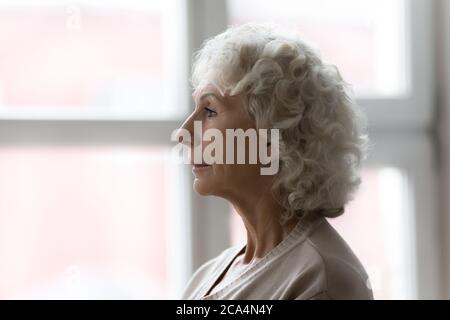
[287,86]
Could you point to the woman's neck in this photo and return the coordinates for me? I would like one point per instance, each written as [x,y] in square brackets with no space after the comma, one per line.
[261,217]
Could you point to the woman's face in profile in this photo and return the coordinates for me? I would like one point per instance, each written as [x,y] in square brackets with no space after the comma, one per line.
[215,111]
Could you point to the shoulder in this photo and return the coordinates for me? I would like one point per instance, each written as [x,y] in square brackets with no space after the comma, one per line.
[206,270]
[334,265]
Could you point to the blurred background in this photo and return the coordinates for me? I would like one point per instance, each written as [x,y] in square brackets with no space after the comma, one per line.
[91,205]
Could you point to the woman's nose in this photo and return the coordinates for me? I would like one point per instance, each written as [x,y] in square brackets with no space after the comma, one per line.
[186,129]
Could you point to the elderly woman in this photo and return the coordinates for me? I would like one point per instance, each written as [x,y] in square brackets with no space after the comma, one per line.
[255,76]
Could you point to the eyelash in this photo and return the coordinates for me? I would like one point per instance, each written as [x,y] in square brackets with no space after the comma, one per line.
[210,113]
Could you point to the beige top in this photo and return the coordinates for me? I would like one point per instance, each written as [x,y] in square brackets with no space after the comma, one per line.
[236,267]
[312,262]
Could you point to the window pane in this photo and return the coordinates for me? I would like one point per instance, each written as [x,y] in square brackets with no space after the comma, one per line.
[92,56]
[84,222]
[378,228]
[364,38]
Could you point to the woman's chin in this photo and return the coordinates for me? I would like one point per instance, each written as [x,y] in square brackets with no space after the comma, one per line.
[202,187]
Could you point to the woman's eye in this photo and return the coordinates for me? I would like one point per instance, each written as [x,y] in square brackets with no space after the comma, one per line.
[210,113]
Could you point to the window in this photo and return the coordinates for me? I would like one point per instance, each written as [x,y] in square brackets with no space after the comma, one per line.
[76,222]
[96,59]
[89,94]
